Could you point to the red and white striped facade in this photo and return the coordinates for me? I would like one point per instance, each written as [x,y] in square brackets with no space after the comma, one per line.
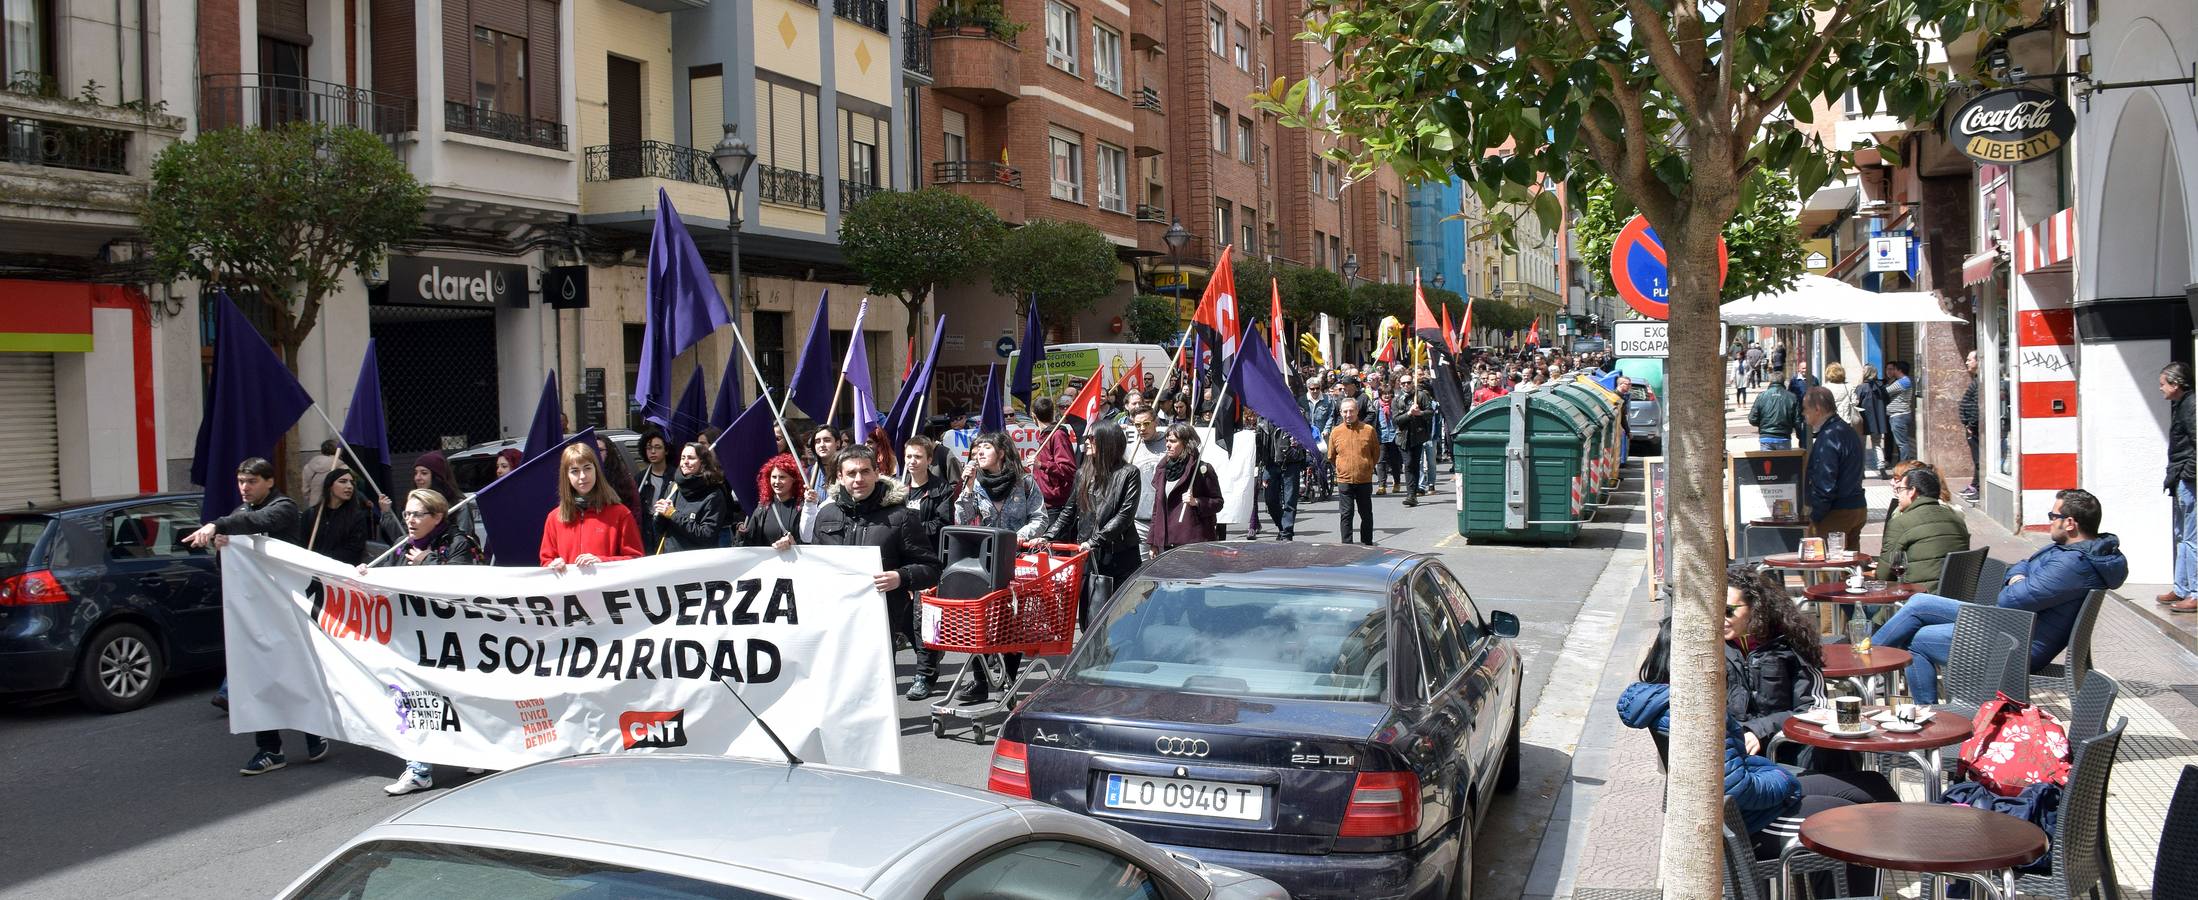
[2048,246]
[2045,355]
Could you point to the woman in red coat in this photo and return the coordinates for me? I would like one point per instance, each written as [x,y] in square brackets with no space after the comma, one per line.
[589,525]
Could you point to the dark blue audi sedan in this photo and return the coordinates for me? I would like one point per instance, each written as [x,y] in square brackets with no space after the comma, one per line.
[1335,718]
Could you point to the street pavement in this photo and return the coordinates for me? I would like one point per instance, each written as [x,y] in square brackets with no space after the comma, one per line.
[148,804]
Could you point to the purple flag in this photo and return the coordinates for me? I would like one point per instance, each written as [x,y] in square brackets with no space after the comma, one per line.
[683,307]
[856,369]
[901,422]
[364,425]
[1259,383]
[743,449]
[728,403]
[252,404]
[994,415]
[515,507]
[1026,361]
[813,375]
[548,429]
[685,420]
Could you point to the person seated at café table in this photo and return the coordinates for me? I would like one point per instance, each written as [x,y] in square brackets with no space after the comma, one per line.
[1773,663]
[1921,531]
[2052,583]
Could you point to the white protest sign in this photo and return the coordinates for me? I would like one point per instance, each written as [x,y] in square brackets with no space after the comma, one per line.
[496,667]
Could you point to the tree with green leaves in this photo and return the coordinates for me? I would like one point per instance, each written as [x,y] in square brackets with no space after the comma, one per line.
[911,243]
[1308,292]
[1065,266]
[1763,242]
[1677,101]
[280,213]
[1151,319]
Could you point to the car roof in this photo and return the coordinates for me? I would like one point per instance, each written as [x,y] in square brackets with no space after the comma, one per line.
[834,826]
[1346,566]
[99,504]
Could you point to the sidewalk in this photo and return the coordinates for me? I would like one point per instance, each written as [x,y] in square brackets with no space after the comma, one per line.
[1604,840]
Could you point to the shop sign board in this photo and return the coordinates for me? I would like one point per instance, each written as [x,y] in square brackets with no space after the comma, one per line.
[1889,253]
[452,282]
[2011,125]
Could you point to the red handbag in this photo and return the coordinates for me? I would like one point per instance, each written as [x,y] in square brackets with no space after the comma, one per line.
[2013,746]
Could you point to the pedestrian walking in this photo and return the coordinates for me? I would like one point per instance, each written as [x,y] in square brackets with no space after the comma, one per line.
[430,540]
[1776,415]
[1876,425]
[1148,445]
[1392,456]
[867,509]
[1755,358]
[776,520]
[2182,467]
[1186,494]
[340,524]
[1832,479]
[264,510]
[589,525]
[1900,394]
[998,492]
[824,446]
[1282,462]
[1969,424]
[617,472]
[1101,514]
[508,459]
[1415,424]
[695,511]
[1353,447]
[1846,404]
[654,482]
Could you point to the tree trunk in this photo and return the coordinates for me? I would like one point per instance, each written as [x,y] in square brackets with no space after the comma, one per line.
[1692,846]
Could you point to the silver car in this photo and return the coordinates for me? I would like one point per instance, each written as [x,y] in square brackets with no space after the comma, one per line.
[673,827]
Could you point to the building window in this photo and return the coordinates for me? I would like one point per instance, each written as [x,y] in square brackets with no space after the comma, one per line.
[1248,231]
[1061,36]
[1106,57]
[1217,31]
[863,162]
[1220,129]
[1320,247]
[1266,164]
[1335,250]
[955,148]
[787,143]
[1381,210]
[1315,170]
[26,39]
[1067,151]
[1243,47]
[1114,174]
[499,71]
[1224,219]
[1335,182]
[1244,140]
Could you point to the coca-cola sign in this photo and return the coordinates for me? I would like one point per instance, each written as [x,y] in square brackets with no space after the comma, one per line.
[2011,125]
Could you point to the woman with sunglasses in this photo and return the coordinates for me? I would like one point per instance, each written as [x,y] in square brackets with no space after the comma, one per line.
[1773,662]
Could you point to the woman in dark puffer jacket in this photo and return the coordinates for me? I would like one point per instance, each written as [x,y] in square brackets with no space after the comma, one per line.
[1772,659]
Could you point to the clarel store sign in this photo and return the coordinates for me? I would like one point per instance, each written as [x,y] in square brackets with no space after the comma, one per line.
[2012,125]
[449,282]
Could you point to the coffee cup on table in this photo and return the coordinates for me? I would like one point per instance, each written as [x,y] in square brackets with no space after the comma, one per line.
[1848,711]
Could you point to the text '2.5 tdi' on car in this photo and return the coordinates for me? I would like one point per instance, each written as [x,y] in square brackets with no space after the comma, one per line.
[1336,718]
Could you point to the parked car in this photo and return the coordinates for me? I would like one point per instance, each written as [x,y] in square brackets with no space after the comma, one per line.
[475,466]
[1645,417]
[673,827]
[1336,718]
[103,596]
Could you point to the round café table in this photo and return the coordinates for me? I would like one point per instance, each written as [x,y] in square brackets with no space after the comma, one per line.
[1836,594]
[1880,663]
[1946,728]
[1778,523]
[1852,559]
[1976,845]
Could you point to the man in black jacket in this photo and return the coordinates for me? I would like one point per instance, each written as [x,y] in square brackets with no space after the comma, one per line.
[1968,411]
[2182,466]
[267,512]
[1414,423]
[1282,461]
[866,509]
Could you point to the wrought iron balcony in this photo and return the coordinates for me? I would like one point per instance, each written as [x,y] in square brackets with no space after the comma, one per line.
[790,187]
[853,192]
[915,47]
[969,171]
[1147,212]
[1147,99]
[465,118]
[652,159]
[61,145]
[867,13]
[249,99]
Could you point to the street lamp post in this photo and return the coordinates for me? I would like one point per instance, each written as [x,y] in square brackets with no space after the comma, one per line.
[734,158]
[1176,238]
[1350,282]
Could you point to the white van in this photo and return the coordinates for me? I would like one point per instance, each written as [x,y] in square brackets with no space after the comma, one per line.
[1066,366]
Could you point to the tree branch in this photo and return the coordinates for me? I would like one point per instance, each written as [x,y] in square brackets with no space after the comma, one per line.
[1692,44]
[1655,34]
[1752,117]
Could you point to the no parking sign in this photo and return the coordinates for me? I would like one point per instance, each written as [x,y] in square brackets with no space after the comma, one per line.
[1637,269]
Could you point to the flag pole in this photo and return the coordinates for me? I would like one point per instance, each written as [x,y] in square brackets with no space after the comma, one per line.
[834,409]
[359,464]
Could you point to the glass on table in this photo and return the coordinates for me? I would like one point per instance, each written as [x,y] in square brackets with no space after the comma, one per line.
[1835,545]
[1858,634]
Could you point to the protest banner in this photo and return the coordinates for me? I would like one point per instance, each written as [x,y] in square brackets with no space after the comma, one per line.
[495,667]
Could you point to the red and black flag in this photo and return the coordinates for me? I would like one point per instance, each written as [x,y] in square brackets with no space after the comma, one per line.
[1083,412]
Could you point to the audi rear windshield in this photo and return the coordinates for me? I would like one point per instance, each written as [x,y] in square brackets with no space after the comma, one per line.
[1215,638]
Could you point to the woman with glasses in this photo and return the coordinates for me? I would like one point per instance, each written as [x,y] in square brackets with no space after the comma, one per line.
[431,540]
[1921,531]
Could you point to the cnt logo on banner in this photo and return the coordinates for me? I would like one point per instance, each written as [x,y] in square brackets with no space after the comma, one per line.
[496,667]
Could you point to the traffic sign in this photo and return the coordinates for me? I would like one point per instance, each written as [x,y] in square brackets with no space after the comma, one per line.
[1642,340]
[1637,269]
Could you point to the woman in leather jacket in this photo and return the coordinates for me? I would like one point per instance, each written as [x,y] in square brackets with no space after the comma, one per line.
[692,513]
[1773,663]
[1101,512]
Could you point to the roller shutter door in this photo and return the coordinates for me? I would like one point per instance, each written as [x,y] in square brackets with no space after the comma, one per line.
[30,468]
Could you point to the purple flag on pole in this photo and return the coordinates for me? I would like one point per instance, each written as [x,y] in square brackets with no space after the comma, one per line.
[515,507]
[813,374]
[683,307]
[1260,384]
[1026,359]
[364,425]
[728,403]
[252,404]
[994,415]
[856,370]
[743,449]
[686,419]
[548,429]
[901,422]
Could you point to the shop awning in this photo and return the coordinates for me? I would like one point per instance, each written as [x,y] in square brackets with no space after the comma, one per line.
[1978,269]
[1817,300]
[2048,245]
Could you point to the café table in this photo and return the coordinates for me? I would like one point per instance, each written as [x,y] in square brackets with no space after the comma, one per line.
[1838,596]
[1867,668]
[1946,728]
[1979,846]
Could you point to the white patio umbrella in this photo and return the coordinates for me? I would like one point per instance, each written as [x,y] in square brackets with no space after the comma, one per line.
[1817,300]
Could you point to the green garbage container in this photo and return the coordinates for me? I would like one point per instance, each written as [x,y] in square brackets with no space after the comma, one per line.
[1602,444]
[1522,461]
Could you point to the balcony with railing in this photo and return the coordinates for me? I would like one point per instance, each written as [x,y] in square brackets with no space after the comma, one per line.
[976,65]
[915,48]
[259,100]
[870,14]
[853,192]
[465,118]
[86,163]
[790,187]
[652,159]
[1149,123]
[995,185]
[62,145]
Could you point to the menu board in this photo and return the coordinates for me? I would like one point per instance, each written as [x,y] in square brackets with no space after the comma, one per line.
[1766,484]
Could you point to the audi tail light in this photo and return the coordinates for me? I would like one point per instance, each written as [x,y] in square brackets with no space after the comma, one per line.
[1010,773]
[1382,804]
[31,588]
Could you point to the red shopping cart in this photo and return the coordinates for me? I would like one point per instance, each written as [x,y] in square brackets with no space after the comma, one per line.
[1035,615]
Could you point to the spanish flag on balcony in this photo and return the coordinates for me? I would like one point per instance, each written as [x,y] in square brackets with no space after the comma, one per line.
[45,316]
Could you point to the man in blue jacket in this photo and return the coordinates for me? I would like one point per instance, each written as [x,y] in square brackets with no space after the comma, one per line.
[1833,480]
[2052,583]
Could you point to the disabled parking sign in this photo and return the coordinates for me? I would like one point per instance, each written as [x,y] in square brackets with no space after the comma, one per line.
[1638,272]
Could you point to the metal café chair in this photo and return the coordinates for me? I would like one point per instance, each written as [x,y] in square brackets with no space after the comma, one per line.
[1958,574]
[1991,579]
[1978,666]
[2068,677]
[2175,870]
[1745,875]
[2082,865]
[2091,708]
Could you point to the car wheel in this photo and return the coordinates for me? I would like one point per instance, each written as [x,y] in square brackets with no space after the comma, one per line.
[120,670]
[1507,778]
[1461,881]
